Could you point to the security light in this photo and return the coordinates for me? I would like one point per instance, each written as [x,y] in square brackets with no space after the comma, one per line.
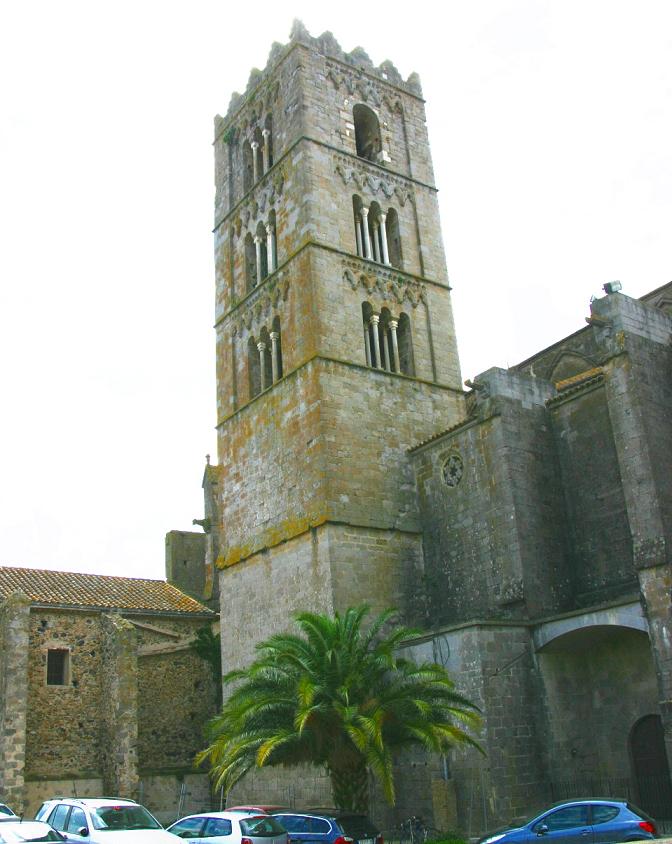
[612,287]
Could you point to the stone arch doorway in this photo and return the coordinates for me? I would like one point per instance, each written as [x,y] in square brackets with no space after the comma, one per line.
[597,678]
[651,772]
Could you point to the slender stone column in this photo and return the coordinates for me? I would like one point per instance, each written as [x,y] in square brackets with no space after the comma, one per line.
[274,355]
[257,247]
[270,248]
[367,345]
[375,352]
[393,323]
[365,232]
[383,238]
[266,151]
[255,160]
[358,235]
[376,241]
[262,348]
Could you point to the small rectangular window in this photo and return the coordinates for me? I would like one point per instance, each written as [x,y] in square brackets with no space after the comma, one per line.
[58,667]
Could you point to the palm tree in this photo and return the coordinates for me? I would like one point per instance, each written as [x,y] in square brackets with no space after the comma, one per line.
[337,696]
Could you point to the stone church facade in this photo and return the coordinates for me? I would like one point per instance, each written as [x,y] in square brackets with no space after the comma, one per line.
[524,524]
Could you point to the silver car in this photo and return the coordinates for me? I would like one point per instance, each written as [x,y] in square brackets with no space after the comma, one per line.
[230,828]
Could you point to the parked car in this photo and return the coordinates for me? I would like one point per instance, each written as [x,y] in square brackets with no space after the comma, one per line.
[230,827]
[328,826]
[12,830]
[5,810]
[587,821]
[103,820]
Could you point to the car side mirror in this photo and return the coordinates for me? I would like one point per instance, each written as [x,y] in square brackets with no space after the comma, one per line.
[83,831]
[542,829]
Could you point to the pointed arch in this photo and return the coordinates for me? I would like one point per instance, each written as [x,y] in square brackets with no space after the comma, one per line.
[250,263]
[253,368]
[268,136]
[248,167]
[262,270]
[405,343]
[278,346]
[394,239]
[367,132]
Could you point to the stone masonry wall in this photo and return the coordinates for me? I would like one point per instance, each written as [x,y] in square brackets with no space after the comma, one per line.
[492,533]
[64,738]
[119,706]
[599,533]
[14,636]
[492,665]
[636,340]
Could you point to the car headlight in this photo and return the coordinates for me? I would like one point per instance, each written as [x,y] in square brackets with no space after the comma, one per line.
[493,838]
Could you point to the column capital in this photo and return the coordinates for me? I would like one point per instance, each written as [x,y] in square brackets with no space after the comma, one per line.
[257,239]
[364,211]
[266,133]
[374,319]
[382,217]
[269,228]
[261,346]
[393,323]
[274,335]
[254,145]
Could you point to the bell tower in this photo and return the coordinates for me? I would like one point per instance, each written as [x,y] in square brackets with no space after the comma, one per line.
[336,349]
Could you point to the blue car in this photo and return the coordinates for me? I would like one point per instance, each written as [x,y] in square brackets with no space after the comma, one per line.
[328,826]
[589,821]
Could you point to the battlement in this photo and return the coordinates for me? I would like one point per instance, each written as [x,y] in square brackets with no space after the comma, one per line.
[327,45]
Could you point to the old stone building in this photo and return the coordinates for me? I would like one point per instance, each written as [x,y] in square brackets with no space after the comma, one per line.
[100,692]
[524,524]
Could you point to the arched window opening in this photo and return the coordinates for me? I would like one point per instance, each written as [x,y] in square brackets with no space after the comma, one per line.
[265,359]
[250,263]
[276,348]
[253,368]
[387,350]
[359,232]
[405,345]
[257,154]
[372,232]
[367,313]
[248,167]
[393,239]
[271,244]
[268,142]
[260,243]
[367,132]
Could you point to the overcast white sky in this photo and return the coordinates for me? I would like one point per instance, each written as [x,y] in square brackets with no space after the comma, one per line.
[550,126]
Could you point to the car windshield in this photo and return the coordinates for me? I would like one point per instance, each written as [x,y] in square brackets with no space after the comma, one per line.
[262,827]
[357,826]
[123,817]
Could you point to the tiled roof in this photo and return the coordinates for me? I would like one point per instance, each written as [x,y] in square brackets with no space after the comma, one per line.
[96,590]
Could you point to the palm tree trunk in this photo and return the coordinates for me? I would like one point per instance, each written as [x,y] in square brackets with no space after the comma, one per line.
[350,788]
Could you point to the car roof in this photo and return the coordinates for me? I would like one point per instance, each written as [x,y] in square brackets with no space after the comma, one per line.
[230,814]
[95,802]
[589,800]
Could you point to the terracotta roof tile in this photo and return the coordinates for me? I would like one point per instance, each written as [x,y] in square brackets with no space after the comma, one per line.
[96,590]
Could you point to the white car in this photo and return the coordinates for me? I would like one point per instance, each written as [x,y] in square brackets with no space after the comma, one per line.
[12,831]
[230,828]
[103,820]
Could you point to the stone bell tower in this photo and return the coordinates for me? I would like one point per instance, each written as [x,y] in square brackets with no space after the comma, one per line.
[336,350]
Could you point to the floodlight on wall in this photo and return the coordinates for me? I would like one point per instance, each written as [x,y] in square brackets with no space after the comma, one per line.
[612,286]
